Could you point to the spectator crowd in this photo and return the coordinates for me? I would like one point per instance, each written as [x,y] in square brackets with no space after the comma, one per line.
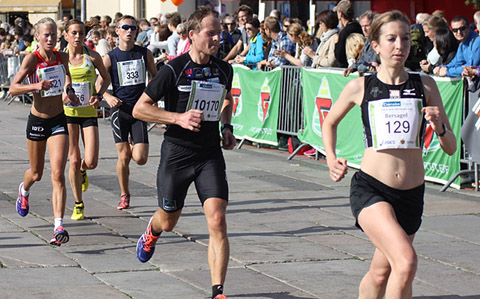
[337,39]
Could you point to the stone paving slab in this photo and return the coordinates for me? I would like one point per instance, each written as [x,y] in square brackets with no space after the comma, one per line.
[25,250]
[46,283]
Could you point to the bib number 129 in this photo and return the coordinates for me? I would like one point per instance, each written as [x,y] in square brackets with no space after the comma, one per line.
[398,127]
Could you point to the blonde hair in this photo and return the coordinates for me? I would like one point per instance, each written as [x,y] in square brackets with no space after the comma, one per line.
[296,29]
[354,45]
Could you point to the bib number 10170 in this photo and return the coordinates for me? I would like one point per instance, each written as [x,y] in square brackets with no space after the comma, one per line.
[208,98]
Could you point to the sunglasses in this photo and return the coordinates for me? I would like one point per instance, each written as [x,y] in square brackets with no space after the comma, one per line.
[228,24]
[249,28]
[463,28]
[126,27]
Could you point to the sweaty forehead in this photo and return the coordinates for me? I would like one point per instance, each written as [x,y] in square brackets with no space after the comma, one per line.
[47,27]
[127,22]
[210,23]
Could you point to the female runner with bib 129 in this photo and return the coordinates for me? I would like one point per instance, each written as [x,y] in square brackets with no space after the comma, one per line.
[48,74]
[386,195]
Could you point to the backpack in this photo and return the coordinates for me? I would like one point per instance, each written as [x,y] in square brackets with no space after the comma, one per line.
[225,45]
[417,49]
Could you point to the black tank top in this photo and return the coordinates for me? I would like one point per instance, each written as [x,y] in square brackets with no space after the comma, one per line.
[128,94]
[377,90]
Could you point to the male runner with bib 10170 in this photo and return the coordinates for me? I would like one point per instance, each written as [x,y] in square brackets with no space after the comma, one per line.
[196,87]
[127,65]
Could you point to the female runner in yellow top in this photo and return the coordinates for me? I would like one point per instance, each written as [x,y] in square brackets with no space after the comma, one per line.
[83,118]
[48,74]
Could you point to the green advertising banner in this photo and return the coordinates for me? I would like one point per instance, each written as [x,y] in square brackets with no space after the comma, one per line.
[439,167]
[256,97]
[321,89]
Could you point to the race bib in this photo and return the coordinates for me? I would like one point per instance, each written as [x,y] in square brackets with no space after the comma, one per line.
[395,123]
[131,72]
[55,73]
[207,97]
[83,93]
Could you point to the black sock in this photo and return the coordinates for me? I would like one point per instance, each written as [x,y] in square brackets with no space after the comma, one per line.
[155,233]
[216,290]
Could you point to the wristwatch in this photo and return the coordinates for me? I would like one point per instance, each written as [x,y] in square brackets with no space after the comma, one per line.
[444,130]
[227,126]
[68,89]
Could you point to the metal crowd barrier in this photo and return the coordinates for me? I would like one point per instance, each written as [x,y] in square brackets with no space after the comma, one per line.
[471,166]
[9,66]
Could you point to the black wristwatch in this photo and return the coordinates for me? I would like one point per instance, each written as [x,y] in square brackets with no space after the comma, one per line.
[99,96]
[444,130]
[227,126]
[68,89]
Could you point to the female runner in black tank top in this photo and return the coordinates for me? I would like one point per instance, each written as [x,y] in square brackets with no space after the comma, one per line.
[394,263]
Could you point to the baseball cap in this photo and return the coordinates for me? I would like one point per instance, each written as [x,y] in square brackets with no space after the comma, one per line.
[343,6]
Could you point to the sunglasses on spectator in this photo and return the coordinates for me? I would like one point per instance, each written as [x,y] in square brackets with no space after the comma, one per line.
[126,27]
[228,24]
[249,28]
[463,28]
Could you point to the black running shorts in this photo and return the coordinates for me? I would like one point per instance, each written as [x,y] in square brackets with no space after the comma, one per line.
[83,122]
[124,124]
[40,129]
[180,166]
[365,191]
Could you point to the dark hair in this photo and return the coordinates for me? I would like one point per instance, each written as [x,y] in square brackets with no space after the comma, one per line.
[144,22]
[18,31]
[445,43]
[194,21]
[163,32]
[329,18]
[246,9]
[384,18]
[73,22]
[28,38]
[174,19]
[460,18]
[254,22]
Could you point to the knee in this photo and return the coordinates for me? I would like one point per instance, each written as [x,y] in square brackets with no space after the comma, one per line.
[58,176]
[75,164]
[90,163]
[217,223]
[407,267]
[36,176]
[124,158]
[168,224]
[380,276]
[141,160]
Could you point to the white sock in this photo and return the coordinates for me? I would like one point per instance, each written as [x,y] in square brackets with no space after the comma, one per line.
[24,192]
[58,222]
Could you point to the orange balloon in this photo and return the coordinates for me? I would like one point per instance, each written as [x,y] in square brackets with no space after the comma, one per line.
[163,0]
[177,2]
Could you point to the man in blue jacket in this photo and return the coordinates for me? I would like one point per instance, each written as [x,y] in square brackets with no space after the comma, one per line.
[468,53]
